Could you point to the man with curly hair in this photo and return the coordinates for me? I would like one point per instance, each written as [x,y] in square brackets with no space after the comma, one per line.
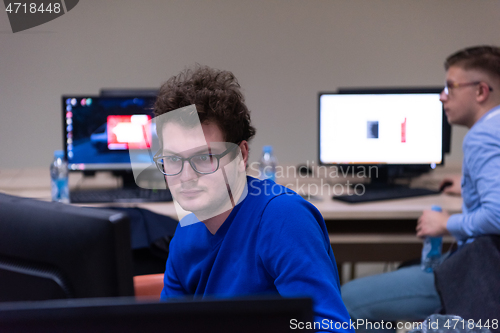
[251,240]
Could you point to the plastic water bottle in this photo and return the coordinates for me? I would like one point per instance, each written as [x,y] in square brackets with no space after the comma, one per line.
[431,251]
[59,178]
[267,164]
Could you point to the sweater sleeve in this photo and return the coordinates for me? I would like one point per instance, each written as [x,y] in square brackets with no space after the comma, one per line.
[484,165]
[172,286]
[295,250]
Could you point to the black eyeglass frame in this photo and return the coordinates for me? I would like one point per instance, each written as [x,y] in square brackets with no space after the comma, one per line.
[189,159]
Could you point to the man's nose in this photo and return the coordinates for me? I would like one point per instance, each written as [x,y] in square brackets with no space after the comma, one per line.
[443,96]
[187,173]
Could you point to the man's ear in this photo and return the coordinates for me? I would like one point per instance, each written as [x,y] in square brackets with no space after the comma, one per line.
[244,154]
[483,92]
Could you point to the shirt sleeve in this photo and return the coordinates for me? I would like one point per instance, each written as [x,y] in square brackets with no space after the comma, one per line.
[484,169]
[295,250]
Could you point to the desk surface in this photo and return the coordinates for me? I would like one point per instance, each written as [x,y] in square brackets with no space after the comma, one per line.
[375,231]
[35,183]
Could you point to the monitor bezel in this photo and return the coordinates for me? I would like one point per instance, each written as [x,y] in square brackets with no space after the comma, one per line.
[65,244]
[241,314]
[446,128]
[123,168]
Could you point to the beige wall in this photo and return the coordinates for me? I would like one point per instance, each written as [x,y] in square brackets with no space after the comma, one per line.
[282,51]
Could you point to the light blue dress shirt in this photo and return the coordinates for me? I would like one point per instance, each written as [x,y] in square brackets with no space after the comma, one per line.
[480,181]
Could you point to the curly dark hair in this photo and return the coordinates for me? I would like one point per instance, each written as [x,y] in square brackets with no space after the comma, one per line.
[484,58]
[217,97]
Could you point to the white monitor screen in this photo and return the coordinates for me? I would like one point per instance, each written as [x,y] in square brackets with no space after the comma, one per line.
[402,128]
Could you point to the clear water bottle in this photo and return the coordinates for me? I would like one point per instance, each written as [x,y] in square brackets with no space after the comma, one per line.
[59,178]
[267,164]
[431,251]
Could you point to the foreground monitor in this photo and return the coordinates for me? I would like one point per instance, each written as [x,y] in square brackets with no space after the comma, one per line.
[122,315]
[51,250]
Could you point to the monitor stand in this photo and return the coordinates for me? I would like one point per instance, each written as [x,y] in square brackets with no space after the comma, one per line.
[149,178]
[152,189]
[126,176]
[128,180]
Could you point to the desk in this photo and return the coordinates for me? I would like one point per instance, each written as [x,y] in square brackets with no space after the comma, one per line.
[377,231]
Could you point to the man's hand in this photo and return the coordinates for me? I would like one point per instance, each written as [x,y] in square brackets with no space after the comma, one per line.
[432,224]
[454,186]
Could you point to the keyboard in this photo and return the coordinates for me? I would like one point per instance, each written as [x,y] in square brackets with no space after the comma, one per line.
[385,193]
[120,195]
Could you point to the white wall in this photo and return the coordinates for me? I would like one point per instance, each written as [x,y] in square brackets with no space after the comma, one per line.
[282,51]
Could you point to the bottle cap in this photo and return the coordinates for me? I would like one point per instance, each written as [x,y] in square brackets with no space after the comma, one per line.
[267,149]
[59,153]
[436,208]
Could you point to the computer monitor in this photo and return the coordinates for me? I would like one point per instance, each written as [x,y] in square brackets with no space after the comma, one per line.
[401,132]
[98,132]
[127,92]
[126,315]
[50,250]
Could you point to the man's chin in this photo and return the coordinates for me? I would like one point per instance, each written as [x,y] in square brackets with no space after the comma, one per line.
[191,205]
[202,210]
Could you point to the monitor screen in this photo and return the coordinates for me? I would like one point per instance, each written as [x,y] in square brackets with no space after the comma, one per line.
[50,250]
[391,127]
[99,131]
[124,315]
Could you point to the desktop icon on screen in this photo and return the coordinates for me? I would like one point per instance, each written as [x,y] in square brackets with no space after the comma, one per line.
[372,129]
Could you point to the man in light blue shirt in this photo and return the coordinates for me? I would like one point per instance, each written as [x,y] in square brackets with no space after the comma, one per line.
[471,98]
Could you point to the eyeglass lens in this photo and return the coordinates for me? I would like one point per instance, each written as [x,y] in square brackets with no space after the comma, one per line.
[172,165]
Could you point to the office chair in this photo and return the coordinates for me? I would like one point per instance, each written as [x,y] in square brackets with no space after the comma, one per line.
[148,286]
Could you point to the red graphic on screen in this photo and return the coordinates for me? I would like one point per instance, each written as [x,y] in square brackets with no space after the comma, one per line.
[129,132]
[403,131]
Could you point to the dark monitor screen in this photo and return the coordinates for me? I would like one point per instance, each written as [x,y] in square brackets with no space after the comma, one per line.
[50,250]
[122,315]
[99,130]
[383,127]
[127,92]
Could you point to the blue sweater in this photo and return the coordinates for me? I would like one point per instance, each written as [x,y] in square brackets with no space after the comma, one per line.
[273,242]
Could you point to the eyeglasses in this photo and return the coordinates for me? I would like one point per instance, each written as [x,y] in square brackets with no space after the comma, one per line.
[204,164]
[452,85]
